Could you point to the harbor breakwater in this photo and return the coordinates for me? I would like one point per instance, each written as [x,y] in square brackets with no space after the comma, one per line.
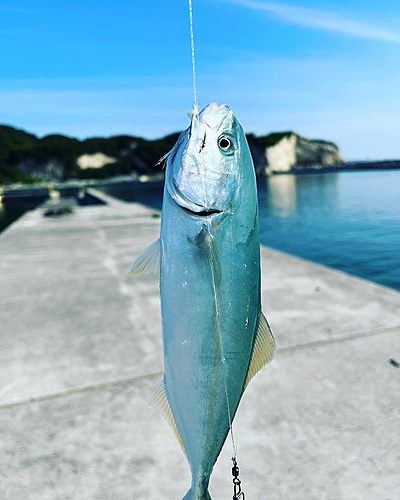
[81,354]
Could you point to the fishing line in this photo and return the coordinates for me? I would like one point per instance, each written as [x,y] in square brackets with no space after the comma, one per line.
[194,130]
[194,117]
[193,57]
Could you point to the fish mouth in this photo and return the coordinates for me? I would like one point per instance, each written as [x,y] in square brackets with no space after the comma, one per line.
[203,213]
[184,202]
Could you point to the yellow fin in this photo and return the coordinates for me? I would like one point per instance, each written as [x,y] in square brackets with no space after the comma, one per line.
[148,261]
[160,399]
[263,349]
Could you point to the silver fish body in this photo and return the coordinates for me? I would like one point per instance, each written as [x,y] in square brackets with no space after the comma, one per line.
[210,287]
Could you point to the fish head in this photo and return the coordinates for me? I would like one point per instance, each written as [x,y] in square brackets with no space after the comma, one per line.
[203,169]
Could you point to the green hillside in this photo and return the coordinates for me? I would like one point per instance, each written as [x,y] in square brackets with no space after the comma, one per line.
[27,158]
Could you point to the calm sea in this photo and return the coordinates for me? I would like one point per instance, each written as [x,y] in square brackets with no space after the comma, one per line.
[348,220]
[11,212]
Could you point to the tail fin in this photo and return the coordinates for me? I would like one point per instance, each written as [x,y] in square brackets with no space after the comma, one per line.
[204,495]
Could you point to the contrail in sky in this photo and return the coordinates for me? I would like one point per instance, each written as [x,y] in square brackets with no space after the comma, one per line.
[322,20]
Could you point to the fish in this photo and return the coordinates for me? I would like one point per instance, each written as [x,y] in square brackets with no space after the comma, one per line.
[215,336]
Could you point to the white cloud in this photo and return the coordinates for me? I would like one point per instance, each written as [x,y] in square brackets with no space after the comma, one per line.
[318,19]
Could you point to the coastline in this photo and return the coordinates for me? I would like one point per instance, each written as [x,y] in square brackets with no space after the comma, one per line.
[353,166]
[296,213]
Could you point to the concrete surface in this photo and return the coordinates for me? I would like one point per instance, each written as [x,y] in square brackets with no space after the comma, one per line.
[80,352]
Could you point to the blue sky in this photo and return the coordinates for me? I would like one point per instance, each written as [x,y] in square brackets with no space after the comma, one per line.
[325,69]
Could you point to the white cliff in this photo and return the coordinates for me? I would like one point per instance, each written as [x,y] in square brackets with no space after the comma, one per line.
[291,151]
[97,160]
[281,157]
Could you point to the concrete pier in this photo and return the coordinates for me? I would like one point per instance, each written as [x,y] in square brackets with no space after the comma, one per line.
[80,353]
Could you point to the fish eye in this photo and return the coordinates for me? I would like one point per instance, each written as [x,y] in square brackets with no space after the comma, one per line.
[225,144]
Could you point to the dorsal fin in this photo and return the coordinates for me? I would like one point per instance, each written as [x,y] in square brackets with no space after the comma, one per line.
[148,261]
[263,349]
[160,400]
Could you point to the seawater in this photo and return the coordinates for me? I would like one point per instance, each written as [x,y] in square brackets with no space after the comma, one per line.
[348,220]
[9,213]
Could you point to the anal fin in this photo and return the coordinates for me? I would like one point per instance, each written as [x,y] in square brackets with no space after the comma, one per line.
[148,261]
[160,400]
[263,349]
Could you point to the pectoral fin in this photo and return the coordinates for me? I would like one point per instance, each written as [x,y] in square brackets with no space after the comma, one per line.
[263,349]
[148,261]
[205,241]
[160,400]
